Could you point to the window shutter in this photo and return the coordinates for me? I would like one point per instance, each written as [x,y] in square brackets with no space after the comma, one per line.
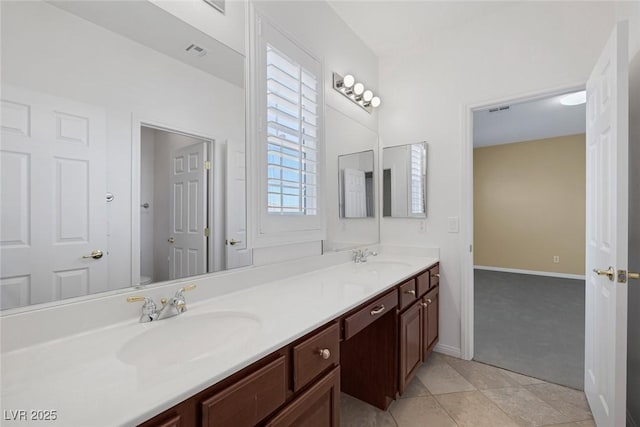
[292,136]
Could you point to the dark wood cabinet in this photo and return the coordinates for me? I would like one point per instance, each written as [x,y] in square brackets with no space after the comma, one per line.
[248,401]
[430,304]
[372,352]
[410,343]
[317,407]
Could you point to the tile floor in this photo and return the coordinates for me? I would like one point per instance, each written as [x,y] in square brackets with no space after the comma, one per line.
[449,392]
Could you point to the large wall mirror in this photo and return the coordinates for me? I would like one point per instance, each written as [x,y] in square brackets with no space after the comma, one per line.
[352,208]
[123,150]
[404,181]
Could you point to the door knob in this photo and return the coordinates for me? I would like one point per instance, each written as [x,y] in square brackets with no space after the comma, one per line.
[97,254]
[171,240]
[610,273]
[234,242]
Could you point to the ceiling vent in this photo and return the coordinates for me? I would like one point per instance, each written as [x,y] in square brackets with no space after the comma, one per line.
[196,50]
[495,110]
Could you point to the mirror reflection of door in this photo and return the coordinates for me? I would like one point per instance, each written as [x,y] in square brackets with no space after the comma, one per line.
[174,195]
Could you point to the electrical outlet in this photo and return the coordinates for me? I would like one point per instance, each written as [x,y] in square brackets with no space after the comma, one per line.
[556,259]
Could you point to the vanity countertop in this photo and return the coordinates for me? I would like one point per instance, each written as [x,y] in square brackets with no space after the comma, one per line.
[89,379]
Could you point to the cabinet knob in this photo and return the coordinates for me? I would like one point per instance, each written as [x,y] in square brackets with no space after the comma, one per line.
[424,304]
[324,353]
[428,300]
[410,292]
[435,275]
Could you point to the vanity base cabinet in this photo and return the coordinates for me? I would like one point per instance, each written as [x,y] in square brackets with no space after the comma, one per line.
[410,343]
[430,304]
[319,406]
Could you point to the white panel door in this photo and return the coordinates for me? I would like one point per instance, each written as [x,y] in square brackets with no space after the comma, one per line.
[53,198]
[607,238]
[188,184]
[237,253]
[355,197]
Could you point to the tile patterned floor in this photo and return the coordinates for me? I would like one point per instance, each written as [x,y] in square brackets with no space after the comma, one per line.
[449,392]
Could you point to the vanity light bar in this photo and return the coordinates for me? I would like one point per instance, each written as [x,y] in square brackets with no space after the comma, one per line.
[356,92]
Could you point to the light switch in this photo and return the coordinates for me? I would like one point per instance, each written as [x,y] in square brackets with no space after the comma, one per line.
[453,224]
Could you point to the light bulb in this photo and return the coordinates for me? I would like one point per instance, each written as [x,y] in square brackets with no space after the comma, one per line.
[375,102]
[575,98]
[348,81]
[358,88]
[367,95]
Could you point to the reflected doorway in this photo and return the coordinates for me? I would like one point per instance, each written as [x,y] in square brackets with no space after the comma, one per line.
[175,209]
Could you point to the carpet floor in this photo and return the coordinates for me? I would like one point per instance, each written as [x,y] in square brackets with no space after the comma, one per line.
[529,324]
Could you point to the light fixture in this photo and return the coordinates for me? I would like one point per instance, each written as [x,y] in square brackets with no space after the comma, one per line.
[356,92]
[575,98]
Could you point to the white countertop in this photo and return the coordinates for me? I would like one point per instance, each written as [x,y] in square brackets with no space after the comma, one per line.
[84,379]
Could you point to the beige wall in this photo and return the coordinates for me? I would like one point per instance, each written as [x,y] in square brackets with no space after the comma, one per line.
[529,205]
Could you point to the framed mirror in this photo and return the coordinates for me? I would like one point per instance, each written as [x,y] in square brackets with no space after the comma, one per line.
[122,150]
[404,181]
[352,215]
[356,186]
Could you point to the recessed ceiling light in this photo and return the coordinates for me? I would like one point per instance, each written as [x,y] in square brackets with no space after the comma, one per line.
[575,98]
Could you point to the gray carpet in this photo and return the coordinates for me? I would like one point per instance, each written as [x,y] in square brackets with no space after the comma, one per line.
[532,325]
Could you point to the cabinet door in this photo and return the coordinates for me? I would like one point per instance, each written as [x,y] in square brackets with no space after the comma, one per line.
[430,302]
[317,407]
[410,343]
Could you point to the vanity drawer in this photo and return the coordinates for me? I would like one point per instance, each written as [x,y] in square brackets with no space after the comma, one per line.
[422,283]
[314,355]
[363,318]
[407,294]
[248,401]
[434,276]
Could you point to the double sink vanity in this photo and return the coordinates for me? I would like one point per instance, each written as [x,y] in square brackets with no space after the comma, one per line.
[275,353]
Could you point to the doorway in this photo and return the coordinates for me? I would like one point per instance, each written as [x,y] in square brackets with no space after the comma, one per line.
[174,208]
[529,182]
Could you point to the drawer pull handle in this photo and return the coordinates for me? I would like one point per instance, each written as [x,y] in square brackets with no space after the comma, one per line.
[428,300]
[377,310]
[324,353]
[435,275]
[410,292]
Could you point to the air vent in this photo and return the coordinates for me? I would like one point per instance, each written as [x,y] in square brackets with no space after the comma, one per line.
[196,50]
[495,110]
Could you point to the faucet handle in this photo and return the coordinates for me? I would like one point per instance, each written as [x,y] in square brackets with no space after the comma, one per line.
[149,310]
[185,289]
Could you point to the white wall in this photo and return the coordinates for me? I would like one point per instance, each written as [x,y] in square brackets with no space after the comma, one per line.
[49,50]
[526,48]
[317,28]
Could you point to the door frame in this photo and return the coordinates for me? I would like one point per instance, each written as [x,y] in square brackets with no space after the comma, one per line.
[466,205]
[137,122]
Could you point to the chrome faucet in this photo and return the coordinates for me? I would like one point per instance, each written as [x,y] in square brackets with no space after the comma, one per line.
[174,307]
[361,255]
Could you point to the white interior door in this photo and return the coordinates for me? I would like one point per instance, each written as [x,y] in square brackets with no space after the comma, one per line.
[355,197]
[607,228]
[53,198]
[188,183]
[237,253]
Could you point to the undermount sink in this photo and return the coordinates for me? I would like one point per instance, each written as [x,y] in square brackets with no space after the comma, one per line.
[189,337]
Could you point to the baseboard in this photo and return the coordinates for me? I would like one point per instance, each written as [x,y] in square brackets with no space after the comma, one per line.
[533,272]
[448,350]
[630,421]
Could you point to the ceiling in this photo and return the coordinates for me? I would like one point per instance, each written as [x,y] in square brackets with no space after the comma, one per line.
[538,119]
[392,25]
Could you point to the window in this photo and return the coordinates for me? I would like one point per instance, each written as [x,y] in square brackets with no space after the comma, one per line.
[418,175]
[291,136]
[288,147]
